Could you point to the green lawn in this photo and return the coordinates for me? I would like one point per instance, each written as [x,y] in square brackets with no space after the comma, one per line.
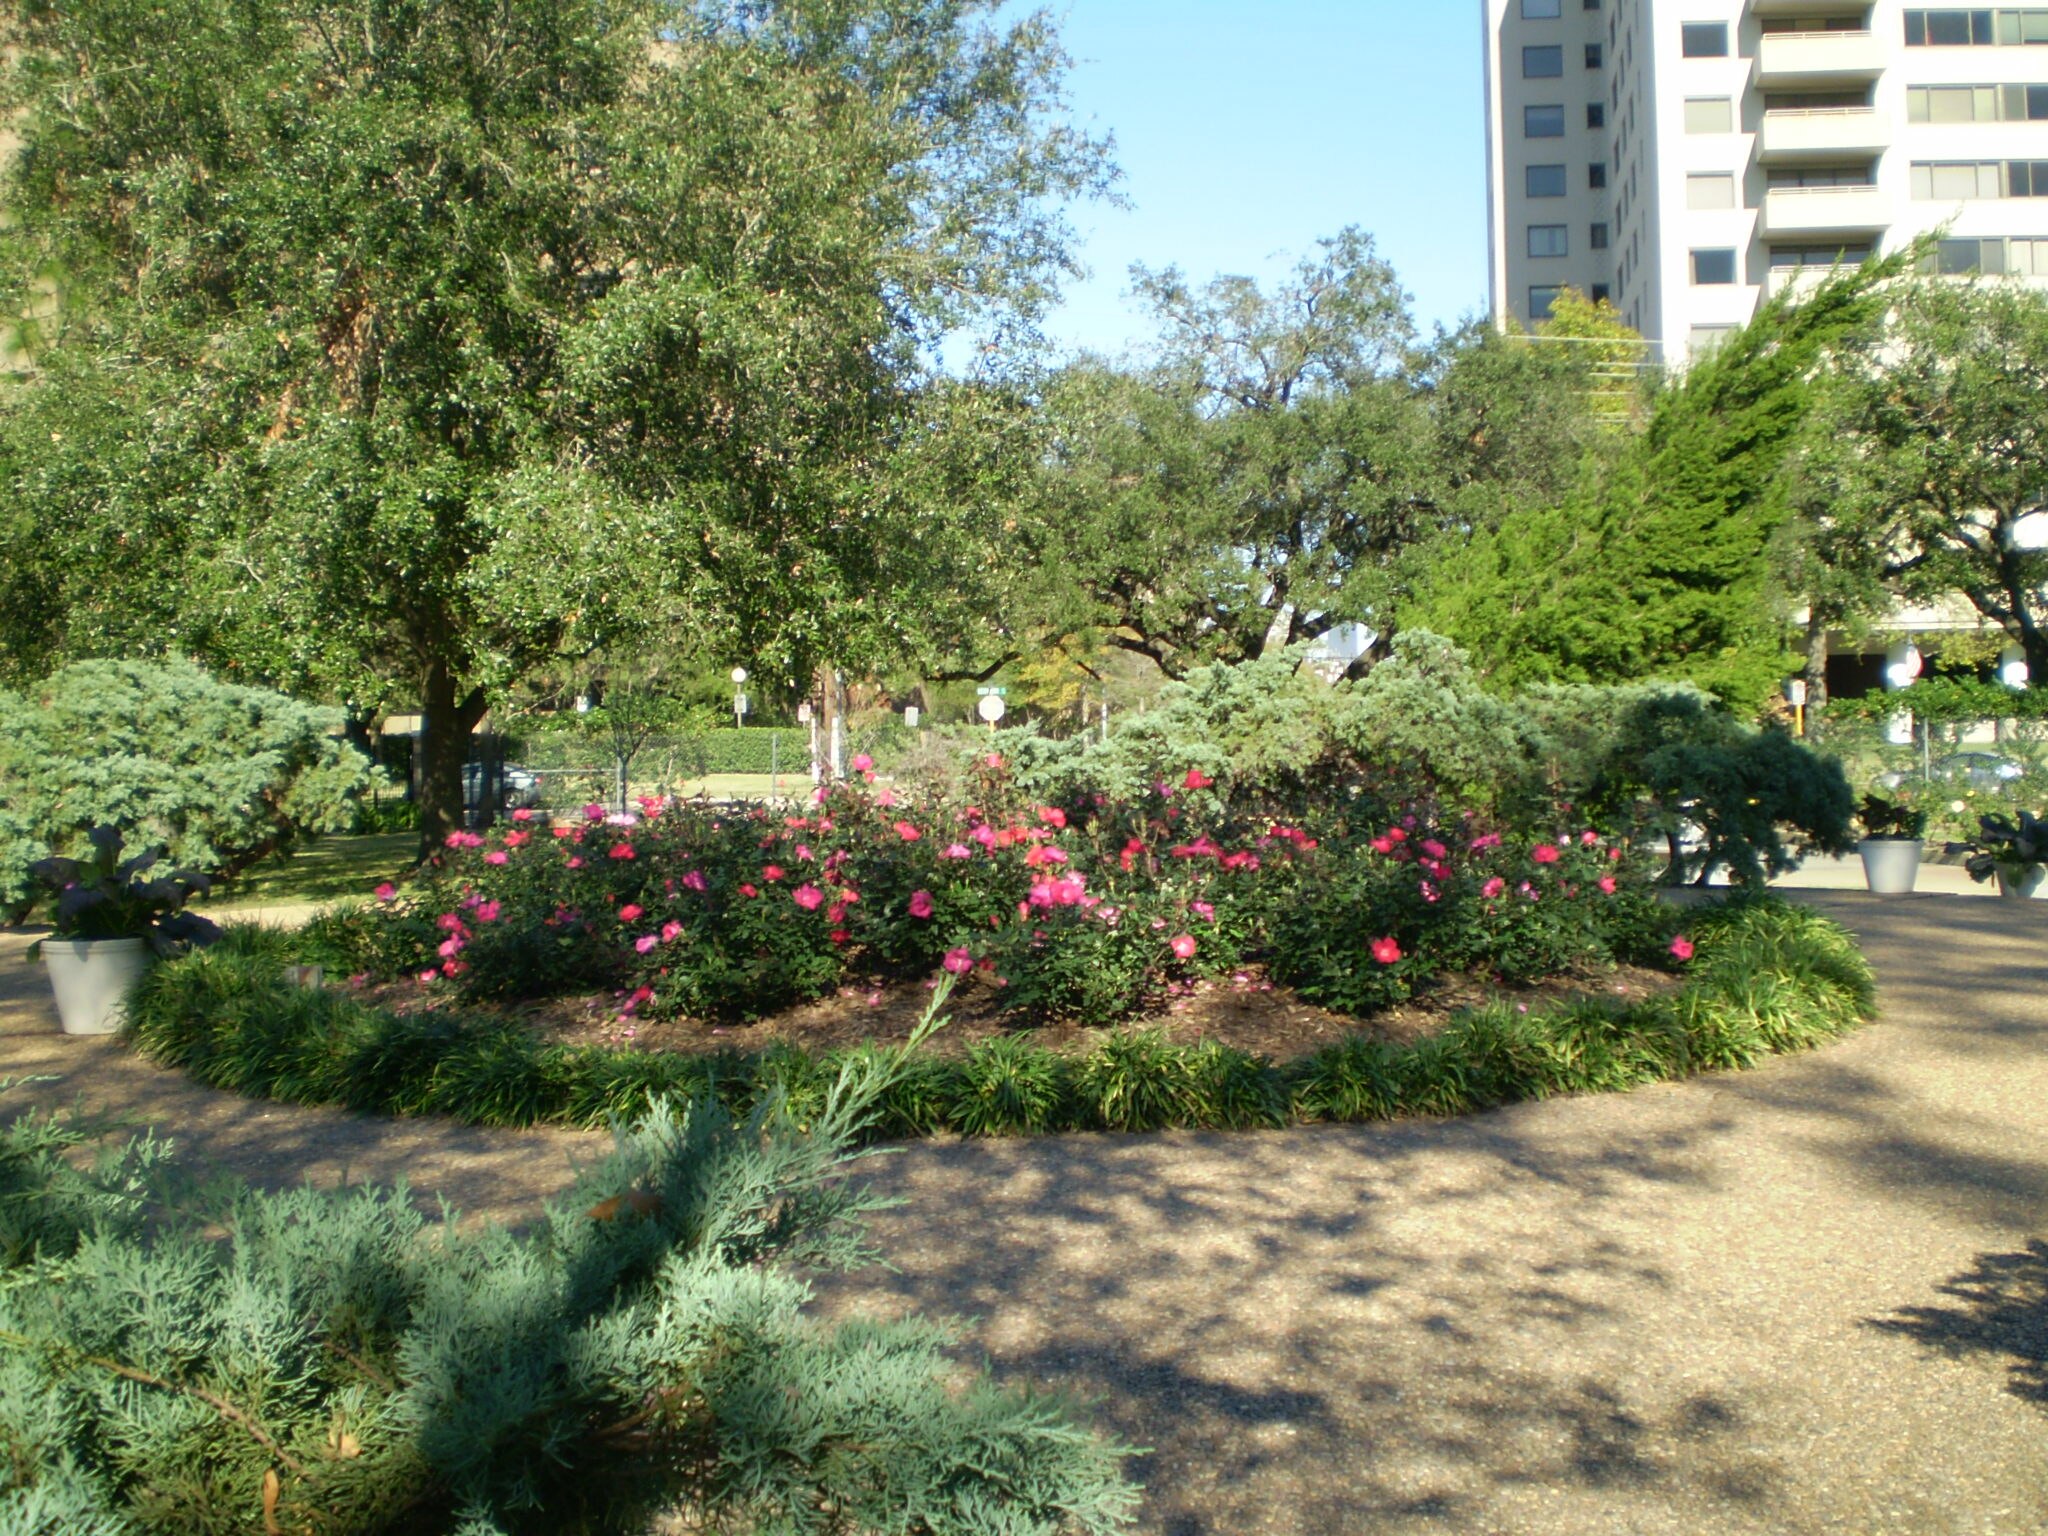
[328,870]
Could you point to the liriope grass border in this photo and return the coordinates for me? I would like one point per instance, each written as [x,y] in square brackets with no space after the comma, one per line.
[1767,978]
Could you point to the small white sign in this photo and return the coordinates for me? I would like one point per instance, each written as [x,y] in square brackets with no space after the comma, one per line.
[910,716]
[991,707]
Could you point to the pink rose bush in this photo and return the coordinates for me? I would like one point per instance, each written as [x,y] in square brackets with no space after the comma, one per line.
[1086,909]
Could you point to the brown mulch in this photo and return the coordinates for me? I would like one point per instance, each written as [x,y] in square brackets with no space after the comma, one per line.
[1241,1009]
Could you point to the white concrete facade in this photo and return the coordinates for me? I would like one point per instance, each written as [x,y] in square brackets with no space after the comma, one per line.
[1713,150]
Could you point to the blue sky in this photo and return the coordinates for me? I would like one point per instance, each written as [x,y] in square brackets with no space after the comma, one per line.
[1248,128]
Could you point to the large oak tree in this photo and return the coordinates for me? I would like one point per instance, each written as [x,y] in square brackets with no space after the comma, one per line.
[407,345]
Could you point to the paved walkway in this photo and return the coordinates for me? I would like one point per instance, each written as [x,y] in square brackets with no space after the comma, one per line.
[1813,1298]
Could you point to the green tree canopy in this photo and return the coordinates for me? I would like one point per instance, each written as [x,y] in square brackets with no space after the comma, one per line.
[1659,565]
[409,347]
[1927,467]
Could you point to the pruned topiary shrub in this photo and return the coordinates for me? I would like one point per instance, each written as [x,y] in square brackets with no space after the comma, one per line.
[220,774]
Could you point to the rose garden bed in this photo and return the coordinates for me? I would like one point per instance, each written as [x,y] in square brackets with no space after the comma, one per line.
[1178,961]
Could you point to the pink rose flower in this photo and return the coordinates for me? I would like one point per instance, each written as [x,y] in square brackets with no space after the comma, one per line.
[862,762]
[1493,887]
[921,904]
[1607,884]
[487,911]
[809,897]
[695,880]
[1681,948]
[522,814]
[645,942]
[1385,951]
[1184,943]
[496,856]
[907,832]
[956,851]
[1544,853]
[630,912]
[623,851]
[671,931]
[387,892]
[771,873]
[958,961]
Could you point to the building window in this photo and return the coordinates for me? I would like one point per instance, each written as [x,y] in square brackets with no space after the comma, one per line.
[1596,175]
[1966,180]
[1822,176]
[1593,55]
[1596,114]
[1702,339]
[1545,181]
[1713,269]
[1710,189]
[2023,103]
[1704,39]
[1709,114]
[1542,300]
[1601,293]
[1951,104]
[1792,258]
[1597,237]
[1543,122]
[1540,10]
[1976,103]
[1975,29]
[1546,63]
[1548,240]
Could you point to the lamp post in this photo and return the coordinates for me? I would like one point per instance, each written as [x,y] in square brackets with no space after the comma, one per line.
[739,699]
[1796,692]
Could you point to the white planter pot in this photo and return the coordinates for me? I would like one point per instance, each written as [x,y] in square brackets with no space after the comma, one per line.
[91,978]
[1890,864]
[2027,887]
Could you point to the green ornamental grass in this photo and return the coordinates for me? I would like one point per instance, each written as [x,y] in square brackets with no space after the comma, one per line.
[1765,978]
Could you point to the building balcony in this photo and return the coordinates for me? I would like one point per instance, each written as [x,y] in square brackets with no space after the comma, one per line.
[1822,134]
[1797,59]
[1825,211]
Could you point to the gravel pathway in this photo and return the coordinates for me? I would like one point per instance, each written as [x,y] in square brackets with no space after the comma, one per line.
[1812,1298]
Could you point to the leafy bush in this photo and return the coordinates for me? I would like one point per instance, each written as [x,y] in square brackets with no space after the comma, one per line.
[220,774]
[1083,912]
[340,1361]
[1764,977]
[1670,760]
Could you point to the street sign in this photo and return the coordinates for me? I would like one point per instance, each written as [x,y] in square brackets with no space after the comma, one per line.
[993,693]
[991,707]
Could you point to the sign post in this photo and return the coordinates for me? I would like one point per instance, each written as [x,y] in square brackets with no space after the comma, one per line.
[991,707]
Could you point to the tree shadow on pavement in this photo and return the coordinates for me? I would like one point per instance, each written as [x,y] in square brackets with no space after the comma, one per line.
[1999,1308]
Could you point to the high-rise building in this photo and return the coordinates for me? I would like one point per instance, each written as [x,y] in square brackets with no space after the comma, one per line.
[1683,158]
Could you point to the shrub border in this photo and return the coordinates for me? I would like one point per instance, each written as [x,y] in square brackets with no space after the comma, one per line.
[1767,978]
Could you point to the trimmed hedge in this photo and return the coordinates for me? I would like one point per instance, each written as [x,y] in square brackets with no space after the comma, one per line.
[1767,978]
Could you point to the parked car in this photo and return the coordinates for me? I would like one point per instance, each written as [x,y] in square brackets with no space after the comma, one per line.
[1980,770]
[522,785]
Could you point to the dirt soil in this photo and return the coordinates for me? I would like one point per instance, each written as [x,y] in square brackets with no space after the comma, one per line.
[1241,1009]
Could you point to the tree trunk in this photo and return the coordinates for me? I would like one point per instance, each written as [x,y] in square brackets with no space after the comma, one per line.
[446,724]
[1816,673]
